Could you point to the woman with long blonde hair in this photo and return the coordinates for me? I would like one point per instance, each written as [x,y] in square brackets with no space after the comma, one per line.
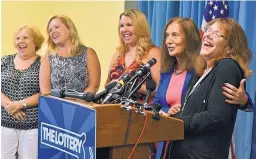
[135,48]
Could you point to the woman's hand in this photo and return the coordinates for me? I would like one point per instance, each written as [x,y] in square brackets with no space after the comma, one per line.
[20,115]
[234,95]
[13,107]
[163,113]
[174,109]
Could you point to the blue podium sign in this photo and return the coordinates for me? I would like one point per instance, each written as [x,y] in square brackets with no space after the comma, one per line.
[66,130]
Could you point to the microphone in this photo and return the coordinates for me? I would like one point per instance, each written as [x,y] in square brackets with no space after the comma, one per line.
[107,89]
[144,69]
[87,96]
[150,86]
[119,85]
[118,89]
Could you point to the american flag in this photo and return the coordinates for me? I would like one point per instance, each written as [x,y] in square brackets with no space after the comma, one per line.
[214,9]
[217,9]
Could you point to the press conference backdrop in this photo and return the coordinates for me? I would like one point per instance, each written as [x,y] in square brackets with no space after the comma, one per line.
[158,13]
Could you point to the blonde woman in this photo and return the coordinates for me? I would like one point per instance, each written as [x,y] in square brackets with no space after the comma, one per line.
[19,96]
[68,63]
[135,48]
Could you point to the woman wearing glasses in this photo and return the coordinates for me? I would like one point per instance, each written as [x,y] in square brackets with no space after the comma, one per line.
[181,67]
[209,120]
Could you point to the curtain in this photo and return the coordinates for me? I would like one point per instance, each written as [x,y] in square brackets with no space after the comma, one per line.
[158,14]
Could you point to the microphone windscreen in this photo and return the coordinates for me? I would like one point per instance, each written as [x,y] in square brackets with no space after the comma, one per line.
[110,86]
[89,96]
[57,93]
[126,77]
[151,85]
[152,61]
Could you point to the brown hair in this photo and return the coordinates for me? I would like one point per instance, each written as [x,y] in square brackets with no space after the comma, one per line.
[237,42]
[192,43]
[142,31]
[74,38]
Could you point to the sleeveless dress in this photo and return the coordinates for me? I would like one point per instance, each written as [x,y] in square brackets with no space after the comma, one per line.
[69,73]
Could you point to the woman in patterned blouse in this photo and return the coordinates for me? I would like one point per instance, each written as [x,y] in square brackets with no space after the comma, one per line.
[68,64]
[19,95]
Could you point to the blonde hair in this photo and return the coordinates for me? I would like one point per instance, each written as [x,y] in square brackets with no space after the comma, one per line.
[192,43]
[237,42]
[141,30]
[74,38]
[38,38]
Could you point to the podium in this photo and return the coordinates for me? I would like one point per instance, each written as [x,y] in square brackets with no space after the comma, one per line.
[111,125]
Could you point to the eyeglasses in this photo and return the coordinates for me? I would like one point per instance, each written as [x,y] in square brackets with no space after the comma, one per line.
[214,34]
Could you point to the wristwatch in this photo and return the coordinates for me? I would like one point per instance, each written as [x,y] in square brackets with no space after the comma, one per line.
[24,104]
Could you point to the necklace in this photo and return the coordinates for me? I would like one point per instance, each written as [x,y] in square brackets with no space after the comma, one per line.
[177,72]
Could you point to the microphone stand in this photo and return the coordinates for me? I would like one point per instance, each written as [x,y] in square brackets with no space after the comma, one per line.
[127,103]
[155,108]
[133,84]
[139,85]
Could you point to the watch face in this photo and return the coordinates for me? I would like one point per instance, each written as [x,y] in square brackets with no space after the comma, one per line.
[24,105]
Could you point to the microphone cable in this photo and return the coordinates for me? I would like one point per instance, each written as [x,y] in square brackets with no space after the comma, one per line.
[141,133]
[127,132]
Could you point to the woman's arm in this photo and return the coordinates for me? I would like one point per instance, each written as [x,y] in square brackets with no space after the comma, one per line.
[45,75]
[155,69]
[4,64]
[94,71]
[5,100]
